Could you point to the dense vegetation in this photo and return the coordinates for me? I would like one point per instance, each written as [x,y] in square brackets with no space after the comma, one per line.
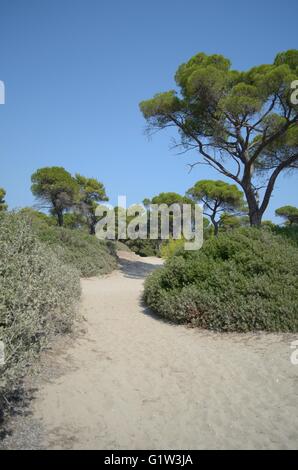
[38,296]
[243,280]
[77,248]
[289,233]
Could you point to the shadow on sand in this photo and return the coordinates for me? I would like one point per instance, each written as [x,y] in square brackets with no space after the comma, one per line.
[150,313]
[136,269]
[18,405]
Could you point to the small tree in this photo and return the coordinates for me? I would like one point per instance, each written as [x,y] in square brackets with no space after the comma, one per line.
[92,192]
[55,187]
[3,205]
[242,123]
[288,213]
[217,197]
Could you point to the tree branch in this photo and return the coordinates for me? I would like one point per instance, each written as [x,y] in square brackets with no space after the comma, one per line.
[272,179]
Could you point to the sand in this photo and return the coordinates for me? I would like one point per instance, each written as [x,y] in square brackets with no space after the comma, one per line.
[133,381]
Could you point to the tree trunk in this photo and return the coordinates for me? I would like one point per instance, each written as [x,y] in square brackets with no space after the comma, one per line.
[57,209]
[92,228]
[215,225]
[92,221]
[60,218]
[254,211]
[256,218]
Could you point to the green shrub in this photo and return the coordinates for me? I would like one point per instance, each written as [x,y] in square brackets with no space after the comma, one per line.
[38,296]
[288,232]
[241,281]
[170,247]
[33,214]
[89,255]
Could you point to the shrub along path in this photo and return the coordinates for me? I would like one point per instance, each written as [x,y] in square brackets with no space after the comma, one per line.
[133,381]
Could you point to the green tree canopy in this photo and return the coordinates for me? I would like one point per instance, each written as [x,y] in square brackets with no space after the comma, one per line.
[92,192]
[55,188]
[288,213]
[169,198]
[243,124]
[3,205]
[217,198]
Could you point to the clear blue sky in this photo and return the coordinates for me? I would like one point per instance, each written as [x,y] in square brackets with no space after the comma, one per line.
[76,70]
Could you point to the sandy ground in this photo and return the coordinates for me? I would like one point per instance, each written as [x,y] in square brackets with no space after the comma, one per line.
[133,381]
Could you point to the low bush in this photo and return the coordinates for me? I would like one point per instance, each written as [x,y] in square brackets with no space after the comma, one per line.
[244,280]
[170,247]
[290,232]
[38,296]
[89,255]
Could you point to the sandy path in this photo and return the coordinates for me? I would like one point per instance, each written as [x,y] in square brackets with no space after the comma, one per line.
[133,381]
